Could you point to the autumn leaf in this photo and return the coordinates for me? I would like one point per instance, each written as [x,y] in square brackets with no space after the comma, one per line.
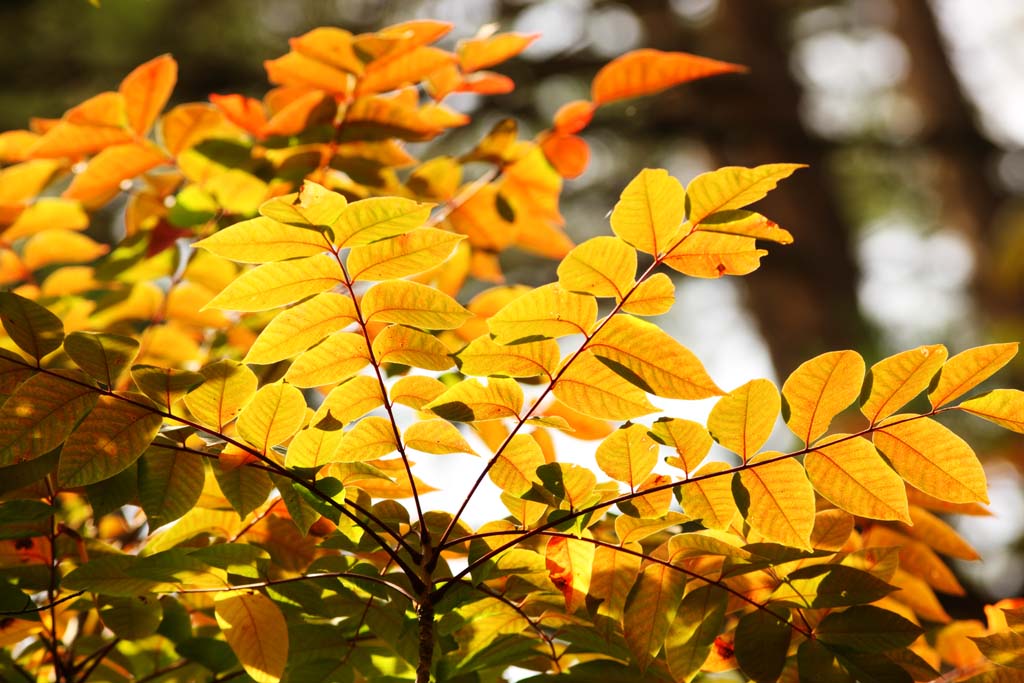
[743,420]
[650,211]
[781,500]
[646,71]
[256,631]
[899,378]
[819,390]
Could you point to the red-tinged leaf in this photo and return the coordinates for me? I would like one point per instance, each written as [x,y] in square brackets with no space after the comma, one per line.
[646,71]
[481,53]
[569,154]
[574,116]
[407,69]
[569,562]
[1005,407]
[146,90]
[245,112]
[105,172]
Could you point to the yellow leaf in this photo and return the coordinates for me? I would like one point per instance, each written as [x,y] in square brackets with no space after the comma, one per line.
[350,400]
[436,436]
[710,255]
[932,458]
[653,505]
[256,631]
[47,213]
[338,357]
[276,284]
[481,53]
[781,501]
[732,187]
[651,608]
[895,380]
[165,385]
[416,391]
[104,356]
[515,469]
[709,497]
[227,388]
[313,207]
[262,239]
[1005,407]
[313,447]
[650,211]
[404,345]
[60,246]
[410,303]
[376,218]
[743,420]
[532,359]
[413,252]
[628,455]
[275,413]
[371,438]
[470,401]
[653,296]
[651,359]
[612,576]
[569,562]
[301,326]
[108,440]
[548,311]
[819,390]
[745,223]
[689,439]
[331,46]
[849,472]
[601,266]
[968,369]
[591,387]
[942,537]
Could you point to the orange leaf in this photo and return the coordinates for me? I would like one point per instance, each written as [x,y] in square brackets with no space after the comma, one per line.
[781,501]
[73,140]
[245,112]
[645,72]
[487,83]
[819,390]
[897,379]
[297,115]
[410,68]
[14,145]
[569,154]
[108,109]
[712,255]
[968,369]
[146,90]
[480,53]
[103,176]
[743,420]
[569,562]
[850,473]
[330,45]
[574,116]
[295,68]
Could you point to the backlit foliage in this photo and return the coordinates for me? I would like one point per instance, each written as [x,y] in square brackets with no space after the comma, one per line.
[210,416]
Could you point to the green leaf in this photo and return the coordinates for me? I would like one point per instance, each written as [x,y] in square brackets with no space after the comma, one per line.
[32,327]
[170,483]
[40,415]
[829,585]
[131,618]
[103,356]
[110,439]
[817,664]
[698,622]
[165,385]
[245,488]
[1005,649]
[762,641]
[866,628]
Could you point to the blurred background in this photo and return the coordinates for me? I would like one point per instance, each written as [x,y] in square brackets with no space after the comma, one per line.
[909,223]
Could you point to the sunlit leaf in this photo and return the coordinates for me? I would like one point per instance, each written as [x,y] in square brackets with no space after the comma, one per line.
[709,497]
[743,420]
[227,387]
[165,385]
[276,284]
[371,438]
[273,415]
[416,391]
[186,125]
[589,386]
[410,303]
[481,53]
[47,214]
[515,469]
[485,357]
[330,45]
[408,346]
[262,239]
[628,455]
[547,311]
[108,440]
[1005,407]
[569,562]
[746,223]
[107,170]
[41,413]
[369,220]
[337,358]
[650,211]
[897,379]
[781,500]
[968,369]
[653,296]
[711,255]
[405,69]
[932,458]
[436,436]
[408,254]
[104,356]
[568,154]
[601,266]
[301,326]
[819,390]
[647,71]
[849,472]
[296,69]
[650,358]
[650,611]
[146,90]
[32,327]
[256,630]
[470,401]
[60,246]
[313,207]
[690,440]
[732,187]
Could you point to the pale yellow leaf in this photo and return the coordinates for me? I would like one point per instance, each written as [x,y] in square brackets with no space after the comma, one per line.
[338,357]
[369,220]
[256,630]
[601,266]
[709,496]
[591,387]
[628,455]
[897,379]
[732,187]
[515,468]
[313,447]
[1005,407]
[410,303]
[745,223]
[407,346]
[470,400]
[819,390]
[274,414]
[781,500]
[416,391]
[313,207]
[690,440]
[849,472]
[436,436]
[227,388]
[532,359]
[968,369]
[60,246]
[743,420]
[653,296]
[263,239]
[650,211]
[414,252]
[47,213]
[548,311]
[299,327]
[276,284]
[651,359]
[371,438]
[932,458]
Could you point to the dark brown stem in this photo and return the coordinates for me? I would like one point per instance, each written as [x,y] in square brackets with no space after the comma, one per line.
[425,619]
